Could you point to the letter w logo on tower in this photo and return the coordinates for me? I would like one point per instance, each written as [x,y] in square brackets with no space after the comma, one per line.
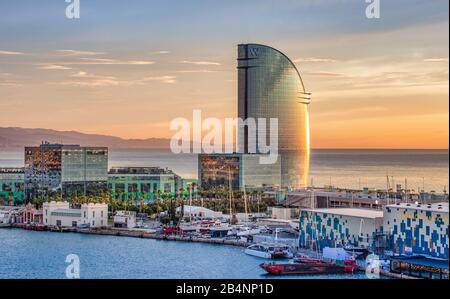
[254,52]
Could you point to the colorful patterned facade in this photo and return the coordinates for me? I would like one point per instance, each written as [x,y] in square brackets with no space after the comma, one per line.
[418,229]
[338,227]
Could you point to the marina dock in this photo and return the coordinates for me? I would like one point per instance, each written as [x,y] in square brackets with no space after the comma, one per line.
[142,234]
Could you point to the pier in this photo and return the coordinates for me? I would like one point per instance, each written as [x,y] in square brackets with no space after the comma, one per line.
[142,234]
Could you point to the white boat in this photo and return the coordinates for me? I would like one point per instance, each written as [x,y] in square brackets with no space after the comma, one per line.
[248,232]
[269,251]
[295,225]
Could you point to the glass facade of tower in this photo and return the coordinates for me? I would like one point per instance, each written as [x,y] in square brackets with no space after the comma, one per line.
[270,86]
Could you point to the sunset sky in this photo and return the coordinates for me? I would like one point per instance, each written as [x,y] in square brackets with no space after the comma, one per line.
[127,68]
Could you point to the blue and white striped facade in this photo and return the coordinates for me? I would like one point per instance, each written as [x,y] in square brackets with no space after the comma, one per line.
[338,227]
[417,228]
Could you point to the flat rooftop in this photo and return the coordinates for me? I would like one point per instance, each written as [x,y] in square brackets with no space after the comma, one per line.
[13,170]
[350,212]
[433,207]
[139,170]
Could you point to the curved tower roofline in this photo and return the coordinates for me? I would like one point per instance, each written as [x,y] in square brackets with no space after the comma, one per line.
[285,56]
[270,86]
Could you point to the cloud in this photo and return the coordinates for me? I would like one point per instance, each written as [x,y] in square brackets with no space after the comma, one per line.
[440,59]
[163,79]
[10,53]
[323,73]
[78,53]
[314,59]
[196,71]
[200,62]
[161,52]
[92,83]
[84,79]
[104,61]
[53,67]
[10,84]
[80,74]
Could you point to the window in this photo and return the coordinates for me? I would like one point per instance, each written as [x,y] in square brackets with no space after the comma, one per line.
[101,214]
[93,213]
[93,222]
[84,214]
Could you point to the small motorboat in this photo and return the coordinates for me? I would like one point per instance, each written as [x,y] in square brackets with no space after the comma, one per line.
[269,251]
[356,251]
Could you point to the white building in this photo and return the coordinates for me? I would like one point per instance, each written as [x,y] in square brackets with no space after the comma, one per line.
[125,219]
[199,212]
[60,214]
[8,214]
[284,213]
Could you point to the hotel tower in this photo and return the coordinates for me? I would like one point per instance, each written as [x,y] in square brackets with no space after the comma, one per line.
[270,86]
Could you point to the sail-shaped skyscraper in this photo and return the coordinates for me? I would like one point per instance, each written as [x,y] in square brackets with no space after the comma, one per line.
[270,86]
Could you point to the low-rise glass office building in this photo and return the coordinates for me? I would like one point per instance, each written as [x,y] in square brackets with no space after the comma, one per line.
[65,169]
[241,171]
[146,182]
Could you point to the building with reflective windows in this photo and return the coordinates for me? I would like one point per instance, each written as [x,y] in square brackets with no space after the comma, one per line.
[65,170]
[270,86]
[238,171]
[142,182]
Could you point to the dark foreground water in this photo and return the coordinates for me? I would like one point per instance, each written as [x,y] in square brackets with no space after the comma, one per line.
[29,254]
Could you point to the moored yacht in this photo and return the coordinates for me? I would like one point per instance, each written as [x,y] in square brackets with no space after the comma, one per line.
[269,250]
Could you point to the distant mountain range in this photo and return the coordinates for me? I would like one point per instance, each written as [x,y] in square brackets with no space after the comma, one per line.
[20,137]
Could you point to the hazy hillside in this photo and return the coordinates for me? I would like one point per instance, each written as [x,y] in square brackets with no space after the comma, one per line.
[20,137]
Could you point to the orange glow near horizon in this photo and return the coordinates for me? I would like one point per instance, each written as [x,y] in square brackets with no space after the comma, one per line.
[376,89]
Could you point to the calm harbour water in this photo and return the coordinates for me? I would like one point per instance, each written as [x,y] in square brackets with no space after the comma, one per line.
[343,168]
[29,254]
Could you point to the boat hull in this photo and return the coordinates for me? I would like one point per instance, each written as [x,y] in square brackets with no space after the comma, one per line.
[302,269]
[260,254]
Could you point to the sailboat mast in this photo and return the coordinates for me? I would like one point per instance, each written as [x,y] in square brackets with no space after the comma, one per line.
[190,203]
[245,203]
[229,192]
